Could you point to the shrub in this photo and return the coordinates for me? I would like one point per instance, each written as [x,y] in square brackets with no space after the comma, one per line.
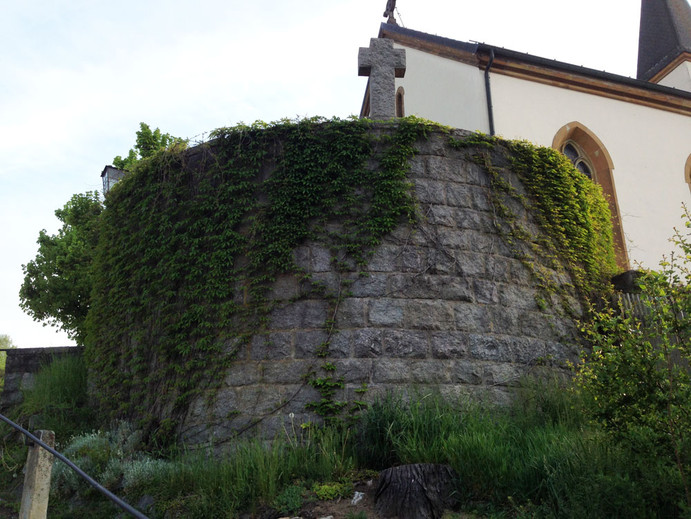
[637,375]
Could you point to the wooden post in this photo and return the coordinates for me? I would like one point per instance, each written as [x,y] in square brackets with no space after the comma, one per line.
[39,465]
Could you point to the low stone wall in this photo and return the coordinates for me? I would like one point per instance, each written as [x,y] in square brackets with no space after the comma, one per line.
[21,368]
[442,305]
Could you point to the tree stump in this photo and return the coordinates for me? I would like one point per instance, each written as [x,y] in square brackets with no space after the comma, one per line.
[419,491]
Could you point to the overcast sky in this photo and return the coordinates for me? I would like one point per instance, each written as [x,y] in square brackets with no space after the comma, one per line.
[78,76]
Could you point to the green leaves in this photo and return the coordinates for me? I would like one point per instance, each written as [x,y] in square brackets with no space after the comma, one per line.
[148,143]
[637,376]
[57,283]
[192,242]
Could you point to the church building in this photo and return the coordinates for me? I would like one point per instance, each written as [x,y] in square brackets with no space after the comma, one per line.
[631,136]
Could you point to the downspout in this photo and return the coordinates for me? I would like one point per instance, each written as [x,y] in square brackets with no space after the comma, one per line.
[488,92]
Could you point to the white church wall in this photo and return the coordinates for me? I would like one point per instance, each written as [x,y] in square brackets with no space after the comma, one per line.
[444,91]
[649,149]
[680,77]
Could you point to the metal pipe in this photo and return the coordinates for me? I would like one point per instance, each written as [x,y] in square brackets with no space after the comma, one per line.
[488,91]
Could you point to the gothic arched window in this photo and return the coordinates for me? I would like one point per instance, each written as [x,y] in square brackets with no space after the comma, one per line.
[578,157]
[400,107]
[589,155]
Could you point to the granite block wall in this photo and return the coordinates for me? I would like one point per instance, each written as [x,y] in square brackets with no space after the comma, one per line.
[442,305]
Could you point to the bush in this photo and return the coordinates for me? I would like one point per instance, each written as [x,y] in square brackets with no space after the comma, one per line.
[637,375]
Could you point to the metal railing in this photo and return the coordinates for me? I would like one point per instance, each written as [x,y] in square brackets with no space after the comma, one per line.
[115,499]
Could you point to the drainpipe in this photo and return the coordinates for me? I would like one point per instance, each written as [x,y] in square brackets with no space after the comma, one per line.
[488,91]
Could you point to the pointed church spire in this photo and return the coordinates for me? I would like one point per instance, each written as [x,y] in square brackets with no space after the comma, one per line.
[664,37]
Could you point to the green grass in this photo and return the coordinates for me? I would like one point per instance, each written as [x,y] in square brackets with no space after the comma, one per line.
[539,457]
[58,400]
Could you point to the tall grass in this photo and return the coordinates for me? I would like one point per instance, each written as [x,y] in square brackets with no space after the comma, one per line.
[539,457]
[58,400]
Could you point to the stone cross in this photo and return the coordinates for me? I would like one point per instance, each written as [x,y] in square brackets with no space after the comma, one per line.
[382,63]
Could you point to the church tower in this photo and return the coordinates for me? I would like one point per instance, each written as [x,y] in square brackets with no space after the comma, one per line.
[664,45]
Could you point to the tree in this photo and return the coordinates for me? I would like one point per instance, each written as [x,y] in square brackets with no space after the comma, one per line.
[148,142]
[57,283]
[638,374]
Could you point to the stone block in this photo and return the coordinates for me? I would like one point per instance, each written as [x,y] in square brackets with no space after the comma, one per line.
[277,345]
[308,343]
[458,195]
[428,314]
[504,320]
[499,268]
[449,344]
[490,347]
[431,372]
[485,292]
[340,344]
[481,199]
[367,343]
[517,297]
[441,215]
[412,259]
[405,343]
[537,325]
[286,372]
[373,285]
[432,145]
[465,372]
[308,313]
[242,373]
[526,350]
[384,258]
[351,313]
[455,239]
[471,318]
[473,220]
[284,288]
[471,264]
[503,374]
[391,371]
[475,174]
[320,283]
[386,313]
[430,191]
[442,262]
[355,371]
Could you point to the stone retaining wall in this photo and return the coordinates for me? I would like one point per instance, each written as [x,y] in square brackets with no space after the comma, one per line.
[442,305]
[21,368]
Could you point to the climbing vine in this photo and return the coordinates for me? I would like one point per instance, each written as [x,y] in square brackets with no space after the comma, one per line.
[571,210]
[192,241]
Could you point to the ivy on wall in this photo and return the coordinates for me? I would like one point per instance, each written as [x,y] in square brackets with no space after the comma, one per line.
[570,209]
[192,240]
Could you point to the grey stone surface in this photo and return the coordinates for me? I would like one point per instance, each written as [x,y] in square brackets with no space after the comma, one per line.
[443,306]
[278,345]
[300,314]
[386,312]
[382,63]
[405,343]
[449,344]
[367,343]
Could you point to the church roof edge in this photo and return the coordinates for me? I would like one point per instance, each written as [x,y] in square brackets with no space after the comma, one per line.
[483,48]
